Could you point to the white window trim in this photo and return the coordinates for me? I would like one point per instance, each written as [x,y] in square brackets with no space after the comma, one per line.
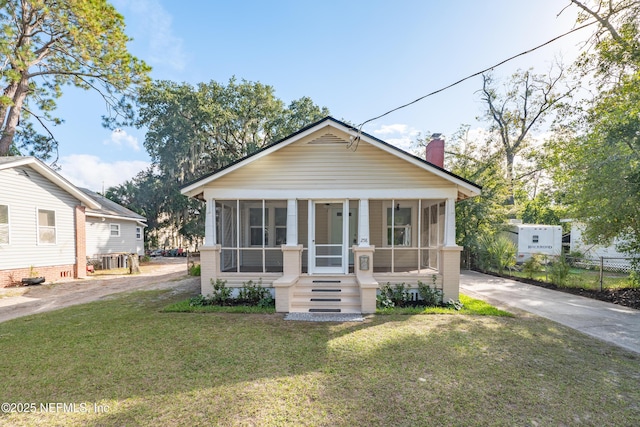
[55,227]
[139,233]
[8,225]
[110,230]
[413,205]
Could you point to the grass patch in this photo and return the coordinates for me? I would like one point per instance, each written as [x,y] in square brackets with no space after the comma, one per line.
[141,366]
[582,279]
[471,306]
[186,307]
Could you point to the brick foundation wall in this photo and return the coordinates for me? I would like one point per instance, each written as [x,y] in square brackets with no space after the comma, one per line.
[52,273]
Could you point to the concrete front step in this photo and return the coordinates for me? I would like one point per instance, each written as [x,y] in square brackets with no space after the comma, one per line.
[326,294]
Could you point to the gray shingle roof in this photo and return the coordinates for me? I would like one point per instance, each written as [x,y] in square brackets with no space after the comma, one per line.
[110,208]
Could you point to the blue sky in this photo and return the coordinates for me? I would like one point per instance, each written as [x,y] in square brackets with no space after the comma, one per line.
[358,58]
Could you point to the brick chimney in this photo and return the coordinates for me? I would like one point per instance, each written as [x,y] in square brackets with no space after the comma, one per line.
[435,150]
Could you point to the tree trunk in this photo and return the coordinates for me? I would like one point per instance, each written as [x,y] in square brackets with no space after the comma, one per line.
[134,265]
[9,92]
[11,123]
[510,156]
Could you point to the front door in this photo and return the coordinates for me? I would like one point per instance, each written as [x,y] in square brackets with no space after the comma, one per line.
[328,229]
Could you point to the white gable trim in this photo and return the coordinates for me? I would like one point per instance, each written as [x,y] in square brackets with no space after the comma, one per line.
[463,186]
[52,176]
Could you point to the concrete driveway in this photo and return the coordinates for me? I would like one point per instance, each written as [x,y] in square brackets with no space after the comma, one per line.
[161,273]
[612,323]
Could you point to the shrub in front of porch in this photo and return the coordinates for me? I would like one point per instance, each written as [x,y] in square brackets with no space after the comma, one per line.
[403,295]
[251,294]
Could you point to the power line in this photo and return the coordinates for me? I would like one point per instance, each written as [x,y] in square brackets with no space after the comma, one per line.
[469,77]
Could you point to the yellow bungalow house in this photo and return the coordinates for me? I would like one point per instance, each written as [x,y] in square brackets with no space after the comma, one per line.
[327,215]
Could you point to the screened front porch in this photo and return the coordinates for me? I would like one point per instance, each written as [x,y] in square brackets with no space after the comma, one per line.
[407,234]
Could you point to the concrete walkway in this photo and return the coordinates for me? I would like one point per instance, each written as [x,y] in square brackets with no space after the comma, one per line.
[161,273]
[612,323]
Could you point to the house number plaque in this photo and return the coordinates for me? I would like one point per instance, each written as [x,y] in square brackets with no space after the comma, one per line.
[364,262]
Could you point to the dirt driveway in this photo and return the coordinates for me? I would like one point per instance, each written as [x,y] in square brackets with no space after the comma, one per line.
[160,273]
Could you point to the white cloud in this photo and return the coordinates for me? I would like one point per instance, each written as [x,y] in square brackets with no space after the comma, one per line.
[88,171]
[391,129]
[121,138]
[154,25]
[399,135]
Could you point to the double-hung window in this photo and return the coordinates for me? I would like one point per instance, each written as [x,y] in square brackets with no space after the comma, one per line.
[114,230]
[268,226]
[46,227]
[4,225]
[399,226]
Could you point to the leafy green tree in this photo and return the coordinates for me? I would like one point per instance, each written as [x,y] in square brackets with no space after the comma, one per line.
[475,161]
[143,195]
[195,130]
[48,44]
[542,210]
[516,111]
[598,164]
[192,131]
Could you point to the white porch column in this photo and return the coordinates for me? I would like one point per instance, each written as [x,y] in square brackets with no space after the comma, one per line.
[450,222]
[210,223]
[363,261]
[363,223]
[291,261]
[292,222]
[209,252]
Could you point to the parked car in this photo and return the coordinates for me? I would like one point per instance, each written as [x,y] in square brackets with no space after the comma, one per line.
[157,252]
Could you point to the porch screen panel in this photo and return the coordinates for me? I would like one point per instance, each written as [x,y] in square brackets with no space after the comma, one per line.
[424,235]
[375,223]
[275,216]
[441,222]
[433,226]
[262,231]
[252,235]
[405,260]
[226,223]
[273,260]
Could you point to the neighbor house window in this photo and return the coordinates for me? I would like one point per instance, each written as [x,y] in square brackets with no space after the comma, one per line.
[535,239]
[398,226]
[46,227]
[139,233]
[114,230]
[4,225]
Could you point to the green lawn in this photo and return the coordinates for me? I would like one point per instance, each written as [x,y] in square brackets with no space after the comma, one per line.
[138,365]
[585,279]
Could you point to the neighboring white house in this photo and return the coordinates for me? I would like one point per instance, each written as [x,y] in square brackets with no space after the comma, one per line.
[112,228]
[328,214]
[610,254]
[42,222]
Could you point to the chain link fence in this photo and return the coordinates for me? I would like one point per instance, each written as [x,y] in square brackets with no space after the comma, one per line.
[591,273]
[609,269]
